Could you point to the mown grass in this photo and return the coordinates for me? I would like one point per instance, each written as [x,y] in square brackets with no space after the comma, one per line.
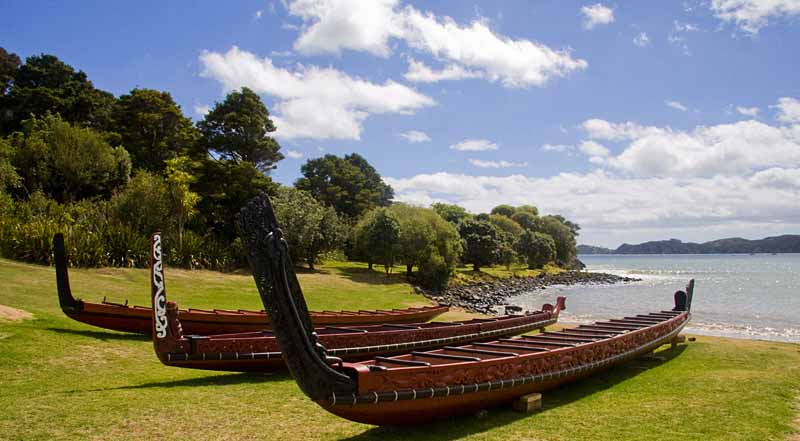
[60,379]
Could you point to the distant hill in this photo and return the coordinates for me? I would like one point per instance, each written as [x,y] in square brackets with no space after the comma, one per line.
[789,243]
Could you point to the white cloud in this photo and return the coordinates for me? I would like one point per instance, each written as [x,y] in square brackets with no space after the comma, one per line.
[346,24]
[677,36]
[474,145]
[561,148]
[650,208]
[748,111]
[788,110]
[334,25]
[752,15]
[415,136]
[313,102]
[258,14]
[420,72]
[496,164]
[594,149]
[596,14]
[294,154]
[725,149]
[676,105]
[641,40]
[201,109]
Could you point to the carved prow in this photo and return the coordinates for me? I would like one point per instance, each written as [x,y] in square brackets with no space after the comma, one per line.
[282,296]
[158,290]
[65,299]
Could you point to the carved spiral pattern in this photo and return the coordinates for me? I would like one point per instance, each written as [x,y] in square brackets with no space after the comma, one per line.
[159,297]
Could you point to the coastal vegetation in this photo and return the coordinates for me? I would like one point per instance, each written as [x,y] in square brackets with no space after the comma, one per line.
[787,243]
[65,380]
[108,171]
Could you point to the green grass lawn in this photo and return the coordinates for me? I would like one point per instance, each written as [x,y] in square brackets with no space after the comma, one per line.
[60,379]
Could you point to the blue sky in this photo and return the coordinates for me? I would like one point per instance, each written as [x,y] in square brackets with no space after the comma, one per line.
[639,120]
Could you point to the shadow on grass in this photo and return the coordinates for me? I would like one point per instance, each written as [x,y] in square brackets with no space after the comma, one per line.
[456,428]
[212,380]
[372,277]
[101,335]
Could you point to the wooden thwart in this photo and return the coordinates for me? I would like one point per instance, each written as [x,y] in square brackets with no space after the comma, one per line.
[528,403]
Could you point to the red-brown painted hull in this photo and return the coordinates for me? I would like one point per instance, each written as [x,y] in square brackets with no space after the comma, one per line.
[137,319]
[445,390]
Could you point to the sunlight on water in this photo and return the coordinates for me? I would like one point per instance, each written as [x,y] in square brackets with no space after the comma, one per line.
[746,296]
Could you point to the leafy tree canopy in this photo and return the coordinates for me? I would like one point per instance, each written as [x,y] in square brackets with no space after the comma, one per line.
[8,174]
[350,184]
[482,243]
[46,84]
[152,128]
[422,232]
[237,129]
[537,248]
[65,162]
[451,213]
[9,64]
[504,210]
[527,220]
[566,247]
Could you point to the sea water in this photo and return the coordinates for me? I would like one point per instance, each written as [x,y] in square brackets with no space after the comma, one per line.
[736,295]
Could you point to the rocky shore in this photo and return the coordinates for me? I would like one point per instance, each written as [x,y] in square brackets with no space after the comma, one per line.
[484,297]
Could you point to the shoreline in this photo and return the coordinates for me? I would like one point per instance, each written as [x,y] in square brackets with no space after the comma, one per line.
[484,297]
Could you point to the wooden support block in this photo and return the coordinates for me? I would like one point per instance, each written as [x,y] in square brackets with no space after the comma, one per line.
[676,340]
[541,330]
[528,403]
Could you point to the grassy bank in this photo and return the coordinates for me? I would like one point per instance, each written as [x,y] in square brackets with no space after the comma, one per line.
[64,380]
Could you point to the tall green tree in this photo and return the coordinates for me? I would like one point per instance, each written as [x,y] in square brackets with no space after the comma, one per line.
[350,184]
[482,243]
[379,237]
[145,204]
[537,248]
[451,213]
[183,201]
[566,246]
[422,232]
[45,84]
[8,174]
[9,65]
[310,228]
[225,187]
[503,210]
[527,220]
[237,129]
[67,163]
[152,128]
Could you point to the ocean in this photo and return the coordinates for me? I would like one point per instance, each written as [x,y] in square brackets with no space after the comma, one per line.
[736,295]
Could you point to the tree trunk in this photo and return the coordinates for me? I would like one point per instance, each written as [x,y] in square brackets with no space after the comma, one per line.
[408,269]
[310,264]
[476,267]
[369,265]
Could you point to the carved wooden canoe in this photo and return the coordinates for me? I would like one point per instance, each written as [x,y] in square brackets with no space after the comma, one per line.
[259,351]
[138,319]
[424,385]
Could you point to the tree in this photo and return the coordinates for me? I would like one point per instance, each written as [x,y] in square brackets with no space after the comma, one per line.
[67,163]
[527,220]
[45,84]
[482,243]
[310,228]
[144,204]
[423,232]
[237,129]
[566,247]
[8,174]
[538,248]
[508,226]
[183,201]
[575,228]
[224,188]
[451,213]
[503,210]
[9,65]
[381,238]
[350,184]
[152,128]
[527,209]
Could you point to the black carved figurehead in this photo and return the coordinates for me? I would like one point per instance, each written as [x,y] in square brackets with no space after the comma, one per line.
[283,300]
[680,301]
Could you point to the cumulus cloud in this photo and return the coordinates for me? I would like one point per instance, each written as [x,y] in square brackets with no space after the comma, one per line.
[597,14]
[726,149]
[752,15]
[421,73]
[467,51]
[201,109]
[474,145]
[496,164]
[748,111]
[594,148]
[642,207]
[641,40]
[415,136]
[561,148]
[676,105]
[788,110]
[312,102]
[294,154]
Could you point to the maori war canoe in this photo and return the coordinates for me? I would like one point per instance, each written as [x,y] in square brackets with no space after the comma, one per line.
[259,351]
[421,386]
[138,319]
